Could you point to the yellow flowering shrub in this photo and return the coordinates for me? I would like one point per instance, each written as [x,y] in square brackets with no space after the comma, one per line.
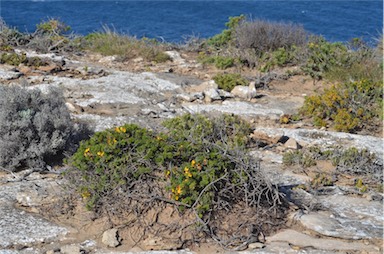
[348,107]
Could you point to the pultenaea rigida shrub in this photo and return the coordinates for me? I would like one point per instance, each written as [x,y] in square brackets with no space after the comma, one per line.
[196,157]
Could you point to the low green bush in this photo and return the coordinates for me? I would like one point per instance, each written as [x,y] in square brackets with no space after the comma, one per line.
[340,62]
[34,127]
[280,57]
[199,165]
[190,157]
[225,37]
[220,62]
[17,59]
[228,81]
[113,159]
[348,107]
[53,26]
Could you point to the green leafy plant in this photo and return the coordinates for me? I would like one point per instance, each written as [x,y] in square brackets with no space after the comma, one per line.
[113,159]
[350,106]
[228,81]
[16,59]
[324,55]
[220,62]
[200,165]
[53,26]
[225,36]
[280,57]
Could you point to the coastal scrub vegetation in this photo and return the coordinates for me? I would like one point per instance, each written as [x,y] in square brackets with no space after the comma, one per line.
[199,165]
[360,164]
[348,107]
[35,128]
[125,47]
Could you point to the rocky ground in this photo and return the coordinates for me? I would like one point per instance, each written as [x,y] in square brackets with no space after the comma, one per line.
[105,93]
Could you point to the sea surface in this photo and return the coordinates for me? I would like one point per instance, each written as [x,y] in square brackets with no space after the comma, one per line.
[175,21]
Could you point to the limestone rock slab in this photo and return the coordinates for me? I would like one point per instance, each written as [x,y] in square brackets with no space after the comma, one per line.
[347,217]
[21,228]
[302,240]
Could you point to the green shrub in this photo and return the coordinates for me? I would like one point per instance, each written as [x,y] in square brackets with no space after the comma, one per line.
[334,60]
[17,59]
[220,62]
[228,81]
[200,165]
[224,38]
[53,26]
[197,157]
[280,57]
[13,59]
[113,159]
[34,127]
[349,107]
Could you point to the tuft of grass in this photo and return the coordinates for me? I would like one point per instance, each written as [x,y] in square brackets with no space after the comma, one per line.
[111,43]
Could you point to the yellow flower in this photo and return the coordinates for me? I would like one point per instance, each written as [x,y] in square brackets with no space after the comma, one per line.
[85,194]
[176,197]
[178,190]
[193,162]
[122,129]
[158,138]
[117,129]
[87,152]
[187,173]
[167,173]
[101,153]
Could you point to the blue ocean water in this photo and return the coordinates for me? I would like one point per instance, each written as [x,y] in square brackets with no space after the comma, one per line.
[337,20]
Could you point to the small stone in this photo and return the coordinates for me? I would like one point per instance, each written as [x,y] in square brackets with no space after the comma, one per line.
[111,238]
[213,94]
[71,107]
[241,91]
[50,68]
[225,94]
[70,249]
[253,246]
[292,144]
[203,86]
[185,97]
[107,59]
[137,60]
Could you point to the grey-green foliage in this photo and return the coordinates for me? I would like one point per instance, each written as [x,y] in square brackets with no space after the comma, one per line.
[34,127]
